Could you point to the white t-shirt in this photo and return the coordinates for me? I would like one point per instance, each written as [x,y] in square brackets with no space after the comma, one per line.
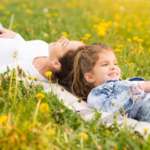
[19,52]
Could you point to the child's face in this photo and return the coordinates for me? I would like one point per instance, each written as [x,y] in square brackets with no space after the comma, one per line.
[105,69]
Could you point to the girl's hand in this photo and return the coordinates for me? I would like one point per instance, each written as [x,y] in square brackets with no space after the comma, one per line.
[6,33]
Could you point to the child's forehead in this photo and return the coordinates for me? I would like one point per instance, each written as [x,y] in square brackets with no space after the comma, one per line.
[106,54]
[74,44]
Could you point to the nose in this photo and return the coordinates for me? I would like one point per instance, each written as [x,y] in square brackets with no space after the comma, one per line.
[113,67]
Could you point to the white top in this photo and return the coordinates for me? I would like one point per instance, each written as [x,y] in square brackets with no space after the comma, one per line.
[19,52]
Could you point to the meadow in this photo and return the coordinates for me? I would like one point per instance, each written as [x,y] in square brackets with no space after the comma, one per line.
[31,119]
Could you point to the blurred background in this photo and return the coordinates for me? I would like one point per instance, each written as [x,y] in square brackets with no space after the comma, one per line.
[121,24]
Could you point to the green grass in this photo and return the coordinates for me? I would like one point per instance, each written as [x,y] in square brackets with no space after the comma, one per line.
[33,119]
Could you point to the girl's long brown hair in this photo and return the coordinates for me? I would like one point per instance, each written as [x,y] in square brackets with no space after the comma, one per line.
[84,61]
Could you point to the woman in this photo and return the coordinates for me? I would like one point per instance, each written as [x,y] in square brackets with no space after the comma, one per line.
[36,56]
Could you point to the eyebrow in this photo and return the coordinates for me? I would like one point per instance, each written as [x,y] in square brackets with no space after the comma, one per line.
[104,61]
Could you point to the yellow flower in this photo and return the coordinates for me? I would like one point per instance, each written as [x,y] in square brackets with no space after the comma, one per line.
[117,17]
[116,24]
[129,40]
[118,48]
[145,131]
[102,28]
[48,74]
[83,136]
[32,78]
[51,132]
[115,147]
[29,11]
[86,37]
[45,34]
[65,34]
[40,96]
[3,119]
[137,39]
[2,7]
[44,108]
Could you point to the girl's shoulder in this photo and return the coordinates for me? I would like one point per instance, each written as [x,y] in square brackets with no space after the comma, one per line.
[112,87]
[105,88]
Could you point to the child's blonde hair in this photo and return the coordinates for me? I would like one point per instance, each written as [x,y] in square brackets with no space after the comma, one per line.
[84,61]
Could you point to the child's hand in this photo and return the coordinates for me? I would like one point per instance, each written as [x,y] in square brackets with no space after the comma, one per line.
[6,33]
[137,92]
[137,89]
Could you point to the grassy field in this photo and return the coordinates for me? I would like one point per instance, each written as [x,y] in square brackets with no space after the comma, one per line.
[31,119]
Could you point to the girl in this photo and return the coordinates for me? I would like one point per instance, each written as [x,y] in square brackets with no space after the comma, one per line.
[35,57]
[96,74]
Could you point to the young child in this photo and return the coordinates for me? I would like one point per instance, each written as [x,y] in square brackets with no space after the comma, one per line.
[35,57]
[97,74]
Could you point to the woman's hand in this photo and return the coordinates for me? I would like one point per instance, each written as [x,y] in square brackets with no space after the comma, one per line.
[58,48]
[6,33]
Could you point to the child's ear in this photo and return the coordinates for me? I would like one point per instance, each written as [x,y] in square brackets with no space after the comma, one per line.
[89,77]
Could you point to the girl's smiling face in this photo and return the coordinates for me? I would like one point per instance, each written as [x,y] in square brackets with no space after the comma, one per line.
[105,69]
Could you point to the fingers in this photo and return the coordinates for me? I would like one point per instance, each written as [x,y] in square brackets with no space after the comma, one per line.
[63,41]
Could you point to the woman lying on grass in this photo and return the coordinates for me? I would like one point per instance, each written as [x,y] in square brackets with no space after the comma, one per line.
[35,57]
[96,74]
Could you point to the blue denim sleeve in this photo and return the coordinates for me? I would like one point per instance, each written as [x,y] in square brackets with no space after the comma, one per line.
[110,97]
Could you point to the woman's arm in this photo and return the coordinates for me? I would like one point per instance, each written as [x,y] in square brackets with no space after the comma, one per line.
[6,33]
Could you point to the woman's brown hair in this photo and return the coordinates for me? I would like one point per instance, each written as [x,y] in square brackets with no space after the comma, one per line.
[64,76]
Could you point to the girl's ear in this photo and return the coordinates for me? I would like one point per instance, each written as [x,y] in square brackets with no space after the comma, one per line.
[88,76]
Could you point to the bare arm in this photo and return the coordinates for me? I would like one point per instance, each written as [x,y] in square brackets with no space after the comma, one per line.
[6,33]
[145,85]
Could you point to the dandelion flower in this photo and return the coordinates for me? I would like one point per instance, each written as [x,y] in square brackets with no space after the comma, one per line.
[44,108]
[83,136]
[65,34]
[145,131]
[85,37]
[3,119]
[40,96]
[48,74]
